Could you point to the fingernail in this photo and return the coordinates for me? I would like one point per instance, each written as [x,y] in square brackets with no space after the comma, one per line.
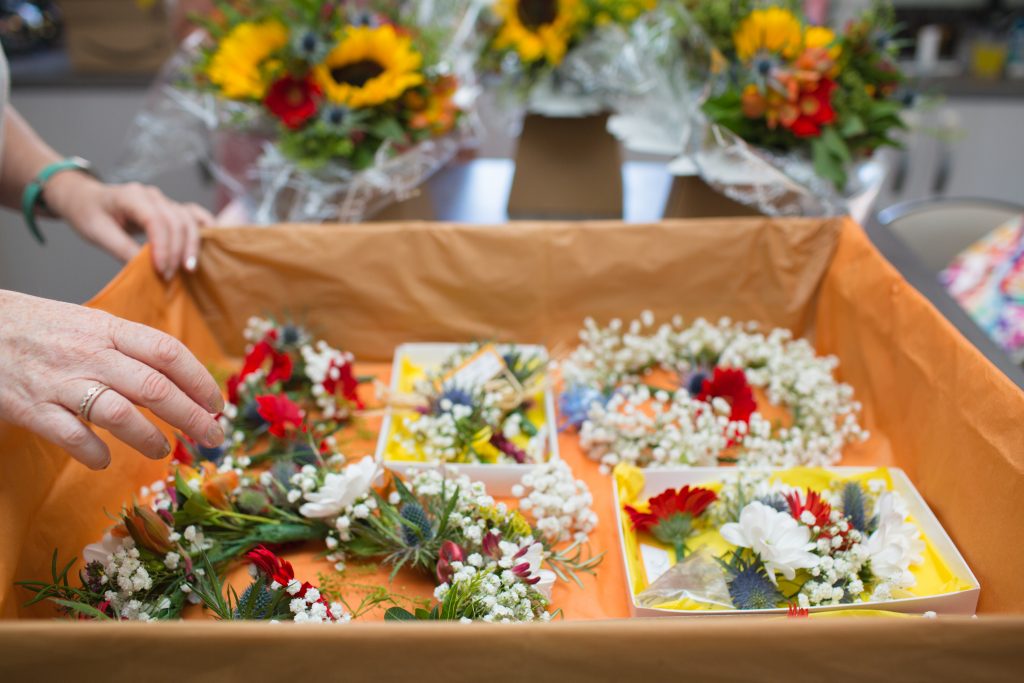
[166,449]
[105,465]
[217,404]
[190,264]
[214,437]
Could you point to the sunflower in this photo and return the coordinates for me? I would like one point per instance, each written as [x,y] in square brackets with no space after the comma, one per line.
[772,30]
[538,29]
[236,66]
[369,66]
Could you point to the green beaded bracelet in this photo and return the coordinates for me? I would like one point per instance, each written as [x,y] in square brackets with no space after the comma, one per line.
[33,195]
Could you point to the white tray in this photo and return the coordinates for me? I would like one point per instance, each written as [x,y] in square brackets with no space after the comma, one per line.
[961,602]
[500,478]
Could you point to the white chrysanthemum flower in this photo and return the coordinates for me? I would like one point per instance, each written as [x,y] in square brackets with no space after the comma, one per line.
[340,490]
[896,544]
[782,543]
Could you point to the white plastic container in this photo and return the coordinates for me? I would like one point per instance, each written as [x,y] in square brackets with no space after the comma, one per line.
[498,478]
[963,602]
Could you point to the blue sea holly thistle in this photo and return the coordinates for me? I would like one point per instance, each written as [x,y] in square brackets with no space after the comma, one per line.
[671,515]
[750,587]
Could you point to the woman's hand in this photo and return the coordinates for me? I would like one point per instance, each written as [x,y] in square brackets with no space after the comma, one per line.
[52,354]
[107,214]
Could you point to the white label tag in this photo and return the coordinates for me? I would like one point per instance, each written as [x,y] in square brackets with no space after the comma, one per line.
[656,561]
[482,367]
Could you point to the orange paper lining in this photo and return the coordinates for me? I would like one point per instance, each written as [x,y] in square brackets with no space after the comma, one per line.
[935,406]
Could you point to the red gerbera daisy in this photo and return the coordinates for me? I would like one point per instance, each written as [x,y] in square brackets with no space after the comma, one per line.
[812,503]
[730,384]
[272,566]
[814,108]
[671,515]
[293,100]
[280,412]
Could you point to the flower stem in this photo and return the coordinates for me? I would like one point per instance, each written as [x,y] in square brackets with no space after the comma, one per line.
[680,547]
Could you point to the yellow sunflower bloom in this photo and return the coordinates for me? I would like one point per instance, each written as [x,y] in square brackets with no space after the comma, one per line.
[538,29]
[236,66]
[772,30]
[822,37]
[369,66]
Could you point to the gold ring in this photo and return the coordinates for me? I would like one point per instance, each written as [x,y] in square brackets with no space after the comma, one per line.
[85,407]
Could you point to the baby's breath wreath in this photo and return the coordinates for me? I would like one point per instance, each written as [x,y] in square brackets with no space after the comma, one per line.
[742,395]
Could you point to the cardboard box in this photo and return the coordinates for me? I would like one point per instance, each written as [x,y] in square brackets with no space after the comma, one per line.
[117,36]
[566,168]
[963,602]
[498,478]
[418,207]
[691,197]
[935,406]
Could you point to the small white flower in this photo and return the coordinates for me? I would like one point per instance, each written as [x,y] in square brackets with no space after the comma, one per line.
[171,560]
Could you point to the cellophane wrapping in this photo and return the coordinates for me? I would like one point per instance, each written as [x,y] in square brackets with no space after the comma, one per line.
[235,142]
[668,70]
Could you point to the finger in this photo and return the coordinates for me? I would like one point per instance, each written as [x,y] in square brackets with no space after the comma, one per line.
[61,428]
[174,231]
[117,415]
[134,202]
[169,356]
[147,387]
[190,258]
[112,237]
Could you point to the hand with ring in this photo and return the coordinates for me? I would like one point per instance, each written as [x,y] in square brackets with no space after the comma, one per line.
[64,367]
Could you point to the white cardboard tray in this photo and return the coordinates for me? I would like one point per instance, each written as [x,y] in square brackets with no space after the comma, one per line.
[960,602]
[499,479]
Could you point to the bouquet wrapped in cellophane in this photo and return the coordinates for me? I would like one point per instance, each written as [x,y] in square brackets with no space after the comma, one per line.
[313,110]
[769,110]
[562,57]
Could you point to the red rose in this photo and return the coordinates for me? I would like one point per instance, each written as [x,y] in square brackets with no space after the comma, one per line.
[293,100]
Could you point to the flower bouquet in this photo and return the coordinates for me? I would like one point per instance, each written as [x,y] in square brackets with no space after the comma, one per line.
[561,58]
[282,481]
[485,409]
[773,112]
[555,53]
[699,395]
[799,540]
[313,110]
